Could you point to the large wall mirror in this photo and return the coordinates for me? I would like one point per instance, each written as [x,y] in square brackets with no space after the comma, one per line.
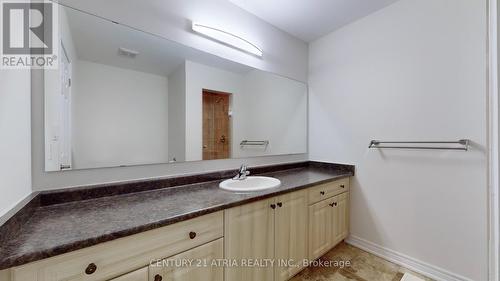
[123,97]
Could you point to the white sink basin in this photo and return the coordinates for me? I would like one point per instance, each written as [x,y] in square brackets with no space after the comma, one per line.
[250,184]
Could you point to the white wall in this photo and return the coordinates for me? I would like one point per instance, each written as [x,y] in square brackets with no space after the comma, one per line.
[274,109]
[415,70]
[177,114]
[15,130]
[283,54]
[120,116]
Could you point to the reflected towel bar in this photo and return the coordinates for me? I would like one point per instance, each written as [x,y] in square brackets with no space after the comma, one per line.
[465,143]
[249,142]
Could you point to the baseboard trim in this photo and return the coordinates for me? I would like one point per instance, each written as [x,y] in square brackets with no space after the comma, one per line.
[418,266]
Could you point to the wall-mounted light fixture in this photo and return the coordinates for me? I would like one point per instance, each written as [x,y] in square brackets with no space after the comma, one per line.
[227,38]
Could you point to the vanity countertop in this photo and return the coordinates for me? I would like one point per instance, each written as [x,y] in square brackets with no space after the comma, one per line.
[55,229]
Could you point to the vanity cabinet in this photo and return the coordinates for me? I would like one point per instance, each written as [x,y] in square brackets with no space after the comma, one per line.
[113,259]
[138,275]
[195,264]
[266,240]
[328,218]
[271,230]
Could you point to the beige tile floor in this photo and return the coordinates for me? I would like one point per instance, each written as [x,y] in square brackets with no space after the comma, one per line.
[363,267]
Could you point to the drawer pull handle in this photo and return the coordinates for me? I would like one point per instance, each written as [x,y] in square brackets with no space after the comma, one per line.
[192,235]
[91,268]
[343,186]
[322,192]
[273,206]
[280,204]
[158,277]
[333,204]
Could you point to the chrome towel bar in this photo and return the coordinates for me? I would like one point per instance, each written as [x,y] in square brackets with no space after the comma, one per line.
[461,144]
[249,142]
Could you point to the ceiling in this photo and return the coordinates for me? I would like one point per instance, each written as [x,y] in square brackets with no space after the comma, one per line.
[311,19]
[97,40]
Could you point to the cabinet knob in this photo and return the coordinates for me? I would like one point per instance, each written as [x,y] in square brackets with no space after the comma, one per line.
[322,192]
[91,268]
[273,206]
[192,235]
[342,186]
[158,277]
[280,204]
[333,204]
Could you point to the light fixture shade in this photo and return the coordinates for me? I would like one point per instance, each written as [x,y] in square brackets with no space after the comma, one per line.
[227,38]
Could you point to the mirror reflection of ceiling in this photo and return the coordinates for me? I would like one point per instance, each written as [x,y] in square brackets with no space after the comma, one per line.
[98,40]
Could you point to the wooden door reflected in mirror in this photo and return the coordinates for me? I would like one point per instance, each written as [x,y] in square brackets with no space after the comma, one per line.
[216,132]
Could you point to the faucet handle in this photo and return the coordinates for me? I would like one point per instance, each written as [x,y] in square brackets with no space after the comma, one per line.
[242,173]
[244,170]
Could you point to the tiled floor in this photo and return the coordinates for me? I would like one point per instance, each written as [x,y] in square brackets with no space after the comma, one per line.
[363,267]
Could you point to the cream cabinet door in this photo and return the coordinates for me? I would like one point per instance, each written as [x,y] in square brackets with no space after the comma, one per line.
[249,236]
[340,218]
[335,223]
[194,265]
[138,275]
[290,234]
[343,215]
[320,228]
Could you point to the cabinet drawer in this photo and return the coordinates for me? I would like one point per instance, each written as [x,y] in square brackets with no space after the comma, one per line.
[193,265]
[327,190]
[138,275]
[117,257]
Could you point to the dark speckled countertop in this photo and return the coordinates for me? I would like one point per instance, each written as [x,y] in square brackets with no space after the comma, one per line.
[60,228]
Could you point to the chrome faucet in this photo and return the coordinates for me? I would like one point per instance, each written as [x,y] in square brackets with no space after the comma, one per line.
[242,173]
